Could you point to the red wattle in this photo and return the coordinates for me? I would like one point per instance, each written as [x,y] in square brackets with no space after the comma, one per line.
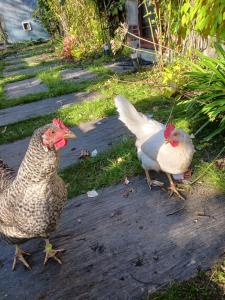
[174,143]
[60,144]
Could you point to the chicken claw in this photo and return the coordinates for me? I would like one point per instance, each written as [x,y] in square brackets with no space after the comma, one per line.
[51,253]
[19,255]
[173,189]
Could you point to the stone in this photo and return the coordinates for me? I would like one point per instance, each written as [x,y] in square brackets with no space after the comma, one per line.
[43,107]
[25,87]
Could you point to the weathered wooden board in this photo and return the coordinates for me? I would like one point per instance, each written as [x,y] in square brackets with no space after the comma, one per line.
[31,70]
[99,135]
[24,87]
[43,107]
[121,247]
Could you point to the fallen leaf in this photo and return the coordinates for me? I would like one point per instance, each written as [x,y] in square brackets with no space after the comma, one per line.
[126,193]
[92,194]
[126,181]
[84,154]
[220,163]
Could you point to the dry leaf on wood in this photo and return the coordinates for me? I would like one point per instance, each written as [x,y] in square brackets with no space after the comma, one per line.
[126,181]
[126,193]
[84,153]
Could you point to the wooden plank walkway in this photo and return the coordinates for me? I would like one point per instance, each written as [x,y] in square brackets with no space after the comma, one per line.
[120,248]
[43,107]
[99,135]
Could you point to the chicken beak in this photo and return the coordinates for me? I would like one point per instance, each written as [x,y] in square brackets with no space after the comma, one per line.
[70,135]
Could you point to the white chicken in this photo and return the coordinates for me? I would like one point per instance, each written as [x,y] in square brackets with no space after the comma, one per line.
[159,147]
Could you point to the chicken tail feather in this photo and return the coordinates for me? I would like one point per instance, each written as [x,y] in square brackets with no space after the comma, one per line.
[136,122]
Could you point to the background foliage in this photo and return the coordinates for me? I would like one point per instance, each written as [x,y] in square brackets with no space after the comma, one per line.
[206,92]
[75,20]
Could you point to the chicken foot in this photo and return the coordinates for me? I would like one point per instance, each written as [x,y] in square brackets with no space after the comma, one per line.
[19,255]
[173,189]
[51,253]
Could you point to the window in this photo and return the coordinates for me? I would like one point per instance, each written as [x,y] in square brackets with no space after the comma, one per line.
[26,26]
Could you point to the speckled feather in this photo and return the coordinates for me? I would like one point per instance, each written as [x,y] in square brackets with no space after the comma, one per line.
[32,201]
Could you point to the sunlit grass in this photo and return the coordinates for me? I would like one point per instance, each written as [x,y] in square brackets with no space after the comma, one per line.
[90,110]
[199,288]
[105,169]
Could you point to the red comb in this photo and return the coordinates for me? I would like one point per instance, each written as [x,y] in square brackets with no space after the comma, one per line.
[169,128]
[59,123]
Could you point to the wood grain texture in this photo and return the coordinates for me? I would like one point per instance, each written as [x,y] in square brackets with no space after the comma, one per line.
[121,247]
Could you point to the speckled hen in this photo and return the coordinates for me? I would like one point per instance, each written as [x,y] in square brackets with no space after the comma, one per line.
[32,200]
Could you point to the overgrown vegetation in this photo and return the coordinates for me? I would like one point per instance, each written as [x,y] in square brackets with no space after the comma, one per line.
[178,26]
[78,23]
[205,90]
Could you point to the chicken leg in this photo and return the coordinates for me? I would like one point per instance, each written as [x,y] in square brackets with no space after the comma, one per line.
[149,181]
[51,253]
[173,189]
[19,255]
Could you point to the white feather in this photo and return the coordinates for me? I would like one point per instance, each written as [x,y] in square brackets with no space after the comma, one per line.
[152,150]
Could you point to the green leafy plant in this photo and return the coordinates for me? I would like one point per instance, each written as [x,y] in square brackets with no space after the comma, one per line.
[48,18]
[177,26]
[205,17]
[79,24]
[206,92]
[115,7]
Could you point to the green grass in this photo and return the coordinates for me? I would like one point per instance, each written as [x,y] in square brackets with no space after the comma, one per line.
[28,49]
[91,110]
[105,169]
[52,79]
[202,287]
